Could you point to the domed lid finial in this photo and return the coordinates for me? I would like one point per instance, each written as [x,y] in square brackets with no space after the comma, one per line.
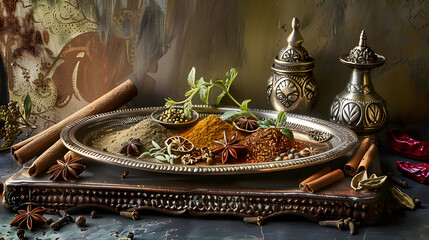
[294,52]
[362,54]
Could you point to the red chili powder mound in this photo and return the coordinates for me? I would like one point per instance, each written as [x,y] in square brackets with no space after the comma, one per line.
[209,129]
[266,144]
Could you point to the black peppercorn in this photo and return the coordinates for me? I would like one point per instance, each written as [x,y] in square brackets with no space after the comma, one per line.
[20,233]
[130,235]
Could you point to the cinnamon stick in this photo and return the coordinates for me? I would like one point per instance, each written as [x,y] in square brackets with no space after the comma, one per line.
[368,157]
[109,101]
[316,175]
[352,164]
[48,158]
[324,181]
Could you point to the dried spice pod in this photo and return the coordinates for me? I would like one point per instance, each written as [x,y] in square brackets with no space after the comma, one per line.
[130,147]
[357,179]
[187,159]
[373,182]
[29,218]
[246,124]
[402,198]
[179,144]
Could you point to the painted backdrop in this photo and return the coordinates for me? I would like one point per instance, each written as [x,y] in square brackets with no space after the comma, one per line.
[65,54]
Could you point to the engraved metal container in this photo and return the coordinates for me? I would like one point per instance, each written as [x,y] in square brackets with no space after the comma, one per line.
[292,87]
[359,106]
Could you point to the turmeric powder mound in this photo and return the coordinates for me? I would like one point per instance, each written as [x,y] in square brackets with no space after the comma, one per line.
[209,129]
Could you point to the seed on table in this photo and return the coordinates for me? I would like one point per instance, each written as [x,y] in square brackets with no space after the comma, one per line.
[283,155]
[296,157]
[286,158]
[290,156]
[278,159]
[292,150]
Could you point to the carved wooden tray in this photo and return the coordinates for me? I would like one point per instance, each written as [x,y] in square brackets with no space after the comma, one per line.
[267,195]
[339,140]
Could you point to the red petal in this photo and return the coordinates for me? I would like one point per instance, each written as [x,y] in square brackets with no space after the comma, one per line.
[18,220]
[64,174]
[39,210]
[233,137]
[22,212]
[233,152]
[73,172]
[217,150]
[225,156]
[135,148]
[29,223]
[38,219]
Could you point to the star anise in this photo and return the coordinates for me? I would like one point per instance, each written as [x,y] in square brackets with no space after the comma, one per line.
[71,166]
[249,124]
[228,146]
[130,147]
[29,218]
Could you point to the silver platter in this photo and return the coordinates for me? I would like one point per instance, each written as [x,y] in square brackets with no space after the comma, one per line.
[75,137]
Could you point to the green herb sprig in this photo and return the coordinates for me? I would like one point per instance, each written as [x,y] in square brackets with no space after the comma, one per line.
[281,119]
[159,154]
[14,122]
[203,88]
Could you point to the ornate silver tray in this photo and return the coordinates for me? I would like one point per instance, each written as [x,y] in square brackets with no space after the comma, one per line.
[338,138]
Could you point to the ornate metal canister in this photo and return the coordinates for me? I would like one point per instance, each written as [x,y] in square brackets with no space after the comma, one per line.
[292,86]
[359,106]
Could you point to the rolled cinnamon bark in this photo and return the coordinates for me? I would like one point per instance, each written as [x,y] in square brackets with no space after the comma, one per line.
[352,164]
[108,102]
[316,175]
[48,158]
[324,181]
[368,157]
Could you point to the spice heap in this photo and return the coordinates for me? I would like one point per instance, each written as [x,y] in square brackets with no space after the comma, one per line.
[146,130]
[267,144]
[206,131]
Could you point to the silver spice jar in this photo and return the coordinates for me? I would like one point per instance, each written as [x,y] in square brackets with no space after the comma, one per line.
[292,87]
[359,106]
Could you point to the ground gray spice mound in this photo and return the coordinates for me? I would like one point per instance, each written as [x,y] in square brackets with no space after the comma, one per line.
[146,130]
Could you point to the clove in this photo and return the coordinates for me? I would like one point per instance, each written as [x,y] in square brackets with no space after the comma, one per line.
[258,220]
[341,224]
[333,223]
[401,182]
[125,174]
[63,220]
[133,214]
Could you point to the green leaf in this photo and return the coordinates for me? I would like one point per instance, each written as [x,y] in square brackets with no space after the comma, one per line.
[219,81]
[27,107]
[200,82]
[230,76]
[244,104]
[228,114]
[281,118]
[262,124]
[288,133]
[156,145]
[191,77]
[203,92]
[187,109]
[219,98]
[161,158]
[169,149]
[206,97]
